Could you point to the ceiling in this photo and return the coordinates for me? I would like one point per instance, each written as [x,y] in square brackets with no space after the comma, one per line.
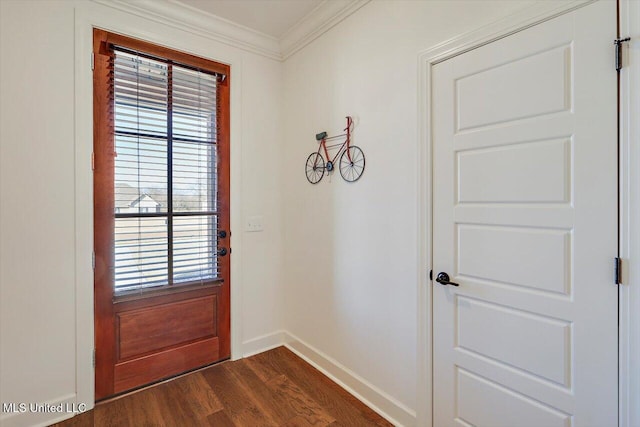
[271,17]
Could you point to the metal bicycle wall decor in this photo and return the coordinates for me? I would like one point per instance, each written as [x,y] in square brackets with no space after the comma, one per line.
[351,163]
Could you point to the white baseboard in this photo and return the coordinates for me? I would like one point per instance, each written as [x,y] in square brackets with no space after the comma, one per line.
[44,414]
[385,405]
[263,343]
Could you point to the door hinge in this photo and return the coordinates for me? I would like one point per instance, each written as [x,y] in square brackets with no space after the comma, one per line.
[617,271]
[430,274]
[618,51]
[93,260]
[93,61]
[93,161]
[93,358]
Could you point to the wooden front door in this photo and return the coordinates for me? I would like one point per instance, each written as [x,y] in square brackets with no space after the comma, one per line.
[161,212]
[525,226]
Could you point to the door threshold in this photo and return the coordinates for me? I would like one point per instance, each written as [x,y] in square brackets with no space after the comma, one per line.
[156,383]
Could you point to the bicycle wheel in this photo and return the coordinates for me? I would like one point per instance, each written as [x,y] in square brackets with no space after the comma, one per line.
[352,164]
[314,168]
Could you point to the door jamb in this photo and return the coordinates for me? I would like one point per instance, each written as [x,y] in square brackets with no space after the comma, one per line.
[629,291]
[527,17]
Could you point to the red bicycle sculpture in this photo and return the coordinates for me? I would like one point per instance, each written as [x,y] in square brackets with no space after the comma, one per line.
[351,157]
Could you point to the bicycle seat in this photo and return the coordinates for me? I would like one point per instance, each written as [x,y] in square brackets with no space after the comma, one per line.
[320,136]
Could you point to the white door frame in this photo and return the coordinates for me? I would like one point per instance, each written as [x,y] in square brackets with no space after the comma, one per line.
[629,392]
[629,333]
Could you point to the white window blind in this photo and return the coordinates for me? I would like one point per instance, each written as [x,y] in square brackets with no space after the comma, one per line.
[165,134]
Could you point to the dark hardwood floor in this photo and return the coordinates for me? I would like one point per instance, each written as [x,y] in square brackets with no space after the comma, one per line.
[274,388]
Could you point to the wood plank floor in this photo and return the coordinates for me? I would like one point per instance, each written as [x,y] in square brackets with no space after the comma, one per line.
[274,388]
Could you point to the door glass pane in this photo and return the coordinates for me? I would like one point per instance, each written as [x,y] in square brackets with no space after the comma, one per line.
[140,253]
[140,174]
[194,248]
[194,177]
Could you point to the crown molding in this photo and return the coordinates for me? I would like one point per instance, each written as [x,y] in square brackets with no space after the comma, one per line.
[317,22]
[179,15]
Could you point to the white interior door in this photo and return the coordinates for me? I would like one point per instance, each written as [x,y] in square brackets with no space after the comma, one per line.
[524,185]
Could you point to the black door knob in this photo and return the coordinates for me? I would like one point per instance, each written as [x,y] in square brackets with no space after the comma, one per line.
[222,251]
[443,279]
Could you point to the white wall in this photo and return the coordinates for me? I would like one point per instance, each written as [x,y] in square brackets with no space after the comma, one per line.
[351,249]
[37,285]
[261,192]
[45,193]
